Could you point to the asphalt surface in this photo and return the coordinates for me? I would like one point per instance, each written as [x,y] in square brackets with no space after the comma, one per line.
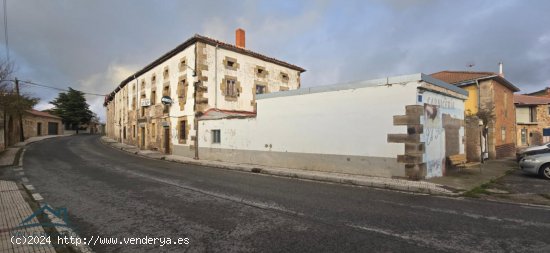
[111,193]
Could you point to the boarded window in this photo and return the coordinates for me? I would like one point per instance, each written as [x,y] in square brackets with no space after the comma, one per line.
[216,136]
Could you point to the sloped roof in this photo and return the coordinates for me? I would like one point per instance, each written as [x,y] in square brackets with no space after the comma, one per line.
[189,42]
[462,78]
[530,100]
[543,92]
[42,114]
[214,113]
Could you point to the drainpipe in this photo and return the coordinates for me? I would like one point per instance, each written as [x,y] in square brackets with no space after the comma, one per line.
[195,108]
[216,77]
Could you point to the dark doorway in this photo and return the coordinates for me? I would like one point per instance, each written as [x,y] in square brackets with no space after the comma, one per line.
[143,137]
[167,140]
[38,128]
[53,128]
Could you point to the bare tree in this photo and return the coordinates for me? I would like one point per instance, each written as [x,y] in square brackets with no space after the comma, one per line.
[10,103]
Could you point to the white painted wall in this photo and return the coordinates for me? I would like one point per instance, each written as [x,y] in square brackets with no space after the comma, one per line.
[343,122]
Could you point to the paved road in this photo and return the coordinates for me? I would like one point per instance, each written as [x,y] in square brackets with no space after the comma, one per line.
[113,194]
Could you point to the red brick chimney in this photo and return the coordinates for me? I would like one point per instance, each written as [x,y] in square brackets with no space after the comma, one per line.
[239,38]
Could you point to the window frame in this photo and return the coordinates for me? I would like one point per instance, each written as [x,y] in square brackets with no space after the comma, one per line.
[216,136]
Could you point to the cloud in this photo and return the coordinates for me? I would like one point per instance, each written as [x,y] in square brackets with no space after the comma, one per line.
[93,45]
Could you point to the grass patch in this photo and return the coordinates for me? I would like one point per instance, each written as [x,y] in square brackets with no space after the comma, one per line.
[482,189]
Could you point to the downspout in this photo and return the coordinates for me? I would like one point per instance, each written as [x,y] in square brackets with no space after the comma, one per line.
[134,129]
[195,107]
[216,77]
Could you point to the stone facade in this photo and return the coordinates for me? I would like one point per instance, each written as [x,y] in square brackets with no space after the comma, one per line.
[533,116]
[36,123]
[494,95]
[198,75]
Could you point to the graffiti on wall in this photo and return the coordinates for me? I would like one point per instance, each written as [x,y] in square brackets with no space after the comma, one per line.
[434,140]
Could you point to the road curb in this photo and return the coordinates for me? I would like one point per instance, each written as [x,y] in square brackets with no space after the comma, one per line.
[421,187]
[37,198]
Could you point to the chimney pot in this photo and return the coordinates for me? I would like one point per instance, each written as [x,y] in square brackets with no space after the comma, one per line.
[500,72]
[240,38]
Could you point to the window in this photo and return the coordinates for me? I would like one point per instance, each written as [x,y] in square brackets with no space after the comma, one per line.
[124,133]
[134,131]
[231,88]
[153,130]
[183,128]
[216,136]
[166,73]
[154,79]
[533,114]
[523,136]
[230,64]
[181,92]
[503,133]
[260,89]
[284,76]
[153,97]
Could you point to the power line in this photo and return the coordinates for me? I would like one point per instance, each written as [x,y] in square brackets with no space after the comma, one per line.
[6,31]
[51,87]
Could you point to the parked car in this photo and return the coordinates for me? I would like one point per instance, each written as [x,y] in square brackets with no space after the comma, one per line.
[536,164]
[523,154]
[521,151]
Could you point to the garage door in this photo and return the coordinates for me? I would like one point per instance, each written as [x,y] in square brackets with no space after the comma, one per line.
[52,128]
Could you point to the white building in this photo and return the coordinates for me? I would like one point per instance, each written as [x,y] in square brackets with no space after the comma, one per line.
[402,126]
[198,75]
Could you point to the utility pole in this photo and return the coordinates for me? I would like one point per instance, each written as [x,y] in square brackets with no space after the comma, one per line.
[21,134]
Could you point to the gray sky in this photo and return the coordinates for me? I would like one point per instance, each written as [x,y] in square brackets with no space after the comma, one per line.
[93,45]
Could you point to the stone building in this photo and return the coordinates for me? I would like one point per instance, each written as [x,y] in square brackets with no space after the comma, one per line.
[35,123]
[494,95]
[533,119]
[38,123]
[156,107]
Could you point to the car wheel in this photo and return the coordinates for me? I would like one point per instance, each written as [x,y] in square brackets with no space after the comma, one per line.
[545,171]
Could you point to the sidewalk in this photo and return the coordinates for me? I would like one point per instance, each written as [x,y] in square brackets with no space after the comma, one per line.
[470,178]
[13,210]
[376,182]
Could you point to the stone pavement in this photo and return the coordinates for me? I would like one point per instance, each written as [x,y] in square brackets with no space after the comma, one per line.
[377,182]
[13,210]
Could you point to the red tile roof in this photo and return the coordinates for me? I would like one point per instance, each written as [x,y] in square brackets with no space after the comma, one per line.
[460,76]
[42,114]
[530,100]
